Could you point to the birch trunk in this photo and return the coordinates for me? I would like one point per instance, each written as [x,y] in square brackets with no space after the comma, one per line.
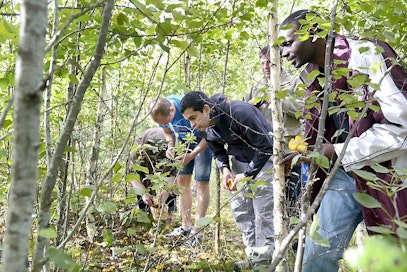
[27,111]
[50,180]
[280,222]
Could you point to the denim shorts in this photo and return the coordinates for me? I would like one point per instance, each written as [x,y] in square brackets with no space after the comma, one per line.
[202,164]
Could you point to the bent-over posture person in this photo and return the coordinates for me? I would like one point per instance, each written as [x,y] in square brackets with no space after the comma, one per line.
[150,153]
[239,130]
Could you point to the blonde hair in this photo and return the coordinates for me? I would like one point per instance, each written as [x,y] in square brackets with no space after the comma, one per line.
[160,106]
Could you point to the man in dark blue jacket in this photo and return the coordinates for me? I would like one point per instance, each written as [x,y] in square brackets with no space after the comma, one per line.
[241,141]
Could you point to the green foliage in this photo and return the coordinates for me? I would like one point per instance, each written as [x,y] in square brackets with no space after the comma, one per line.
[62,260]
[377,254]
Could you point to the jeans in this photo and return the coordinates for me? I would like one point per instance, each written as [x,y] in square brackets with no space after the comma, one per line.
[339,214]
[202,164]
[254,214]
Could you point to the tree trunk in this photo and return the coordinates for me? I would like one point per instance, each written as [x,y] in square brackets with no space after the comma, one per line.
[27,111]
[280,218]
[49,184]
[91,175]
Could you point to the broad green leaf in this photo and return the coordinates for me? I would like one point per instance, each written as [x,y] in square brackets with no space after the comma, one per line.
[107,207]
[140,168]
[380,168]
[142,217]
[203,221]
[380,229]
[131,177]
[365,175]
[367,201]
[116,178]
[312,75]
[402,233]
[48,233]
[131,231]
[62,260]
[141,249]
[85,192]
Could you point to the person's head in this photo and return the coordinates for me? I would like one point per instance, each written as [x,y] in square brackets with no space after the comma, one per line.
[162,111]
[265,61]
[195,107]
[299,52]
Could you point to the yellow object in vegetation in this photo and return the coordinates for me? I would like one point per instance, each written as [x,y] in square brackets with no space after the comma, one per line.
[298,144]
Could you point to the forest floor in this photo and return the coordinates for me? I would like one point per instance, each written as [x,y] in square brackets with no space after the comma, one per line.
[129,245]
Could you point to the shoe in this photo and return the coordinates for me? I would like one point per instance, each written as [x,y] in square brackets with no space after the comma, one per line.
[180,231]
[242,265]
[250,264]
[194,238]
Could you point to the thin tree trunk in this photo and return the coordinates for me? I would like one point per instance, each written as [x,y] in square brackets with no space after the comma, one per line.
[91,175]
[49,184]
[280,218]
[27,111]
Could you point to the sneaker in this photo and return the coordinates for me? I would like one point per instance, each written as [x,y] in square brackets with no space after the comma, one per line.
[180,231]
[250,264]
[242,265]
[194,238]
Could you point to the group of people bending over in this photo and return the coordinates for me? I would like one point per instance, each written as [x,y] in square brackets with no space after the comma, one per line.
[238,135]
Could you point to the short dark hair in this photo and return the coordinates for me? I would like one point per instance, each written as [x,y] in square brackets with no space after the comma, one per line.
[195,100]
[265,51]
[295,17]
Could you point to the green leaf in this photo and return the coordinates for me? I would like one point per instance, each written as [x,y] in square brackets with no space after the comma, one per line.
[140,168]
[203,221]
[380,168]
[48,233]
[402,233]
[69,149]
[85,192]
[142,217]
[367,201]
[116,178]
[131,231]
[380,229]
[365,175]
[62,260]
[73,78]
[138,191]
[312,75]
[132,176]
[141,249]
[108,237]
[107,207]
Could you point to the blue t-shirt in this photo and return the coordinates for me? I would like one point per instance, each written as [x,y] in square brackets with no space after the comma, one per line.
[179,125]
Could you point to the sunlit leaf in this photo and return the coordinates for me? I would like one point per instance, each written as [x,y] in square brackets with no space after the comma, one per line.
[203,221]
[107,207]
[48,233]
[367,201]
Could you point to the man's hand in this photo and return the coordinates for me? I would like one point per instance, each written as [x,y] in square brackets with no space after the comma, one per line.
[163,197]
[170,153]
[147,199]
[184,159]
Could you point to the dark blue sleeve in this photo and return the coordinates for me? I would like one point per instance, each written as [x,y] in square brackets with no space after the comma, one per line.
[258,134]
